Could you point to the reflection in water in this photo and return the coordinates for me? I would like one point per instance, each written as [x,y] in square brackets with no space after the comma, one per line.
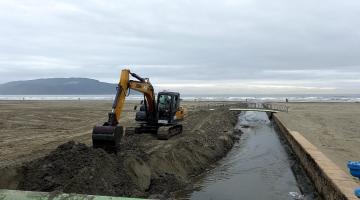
[256,168]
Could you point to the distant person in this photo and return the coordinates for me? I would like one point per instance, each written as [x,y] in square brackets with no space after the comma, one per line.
[287,100]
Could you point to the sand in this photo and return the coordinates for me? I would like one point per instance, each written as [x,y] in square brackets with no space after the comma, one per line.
[333,127]
[146,166]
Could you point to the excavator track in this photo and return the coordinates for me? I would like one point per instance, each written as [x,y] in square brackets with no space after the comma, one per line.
[166,132]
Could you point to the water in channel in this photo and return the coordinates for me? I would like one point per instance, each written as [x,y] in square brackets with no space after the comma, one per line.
[258,167]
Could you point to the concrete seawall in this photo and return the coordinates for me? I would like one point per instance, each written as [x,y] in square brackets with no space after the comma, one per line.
[330,181]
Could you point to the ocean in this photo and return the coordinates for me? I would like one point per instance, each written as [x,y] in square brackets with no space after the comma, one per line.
[248,98]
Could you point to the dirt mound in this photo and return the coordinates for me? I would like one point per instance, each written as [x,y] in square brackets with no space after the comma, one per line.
[74,167]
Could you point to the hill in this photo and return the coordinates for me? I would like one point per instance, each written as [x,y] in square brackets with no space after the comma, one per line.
[57,86]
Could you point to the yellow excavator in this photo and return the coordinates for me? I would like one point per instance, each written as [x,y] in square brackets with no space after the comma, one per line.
[161,116]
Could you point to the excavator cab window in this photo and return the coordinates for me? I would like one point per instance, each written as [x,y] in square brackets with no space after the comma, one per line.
[164,105]
[168,103]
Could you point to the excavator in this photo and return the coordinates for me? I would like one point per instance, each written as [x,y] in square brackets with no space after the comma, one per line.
[161,116]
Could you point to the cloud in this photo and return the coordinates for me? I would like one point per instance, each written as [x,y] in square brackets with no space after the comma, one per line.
[306,44]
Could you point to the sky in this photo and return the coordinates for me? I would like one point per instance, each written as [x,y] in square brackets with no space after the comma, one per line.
[191,46]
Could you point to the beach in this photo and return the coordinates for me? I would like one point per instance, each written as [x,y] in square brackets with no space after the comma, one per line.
[46,146]
[332,127]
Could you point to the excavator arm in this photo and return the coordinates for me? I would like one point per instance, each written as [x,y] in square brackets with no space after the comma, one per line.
[108,135]
[141,85]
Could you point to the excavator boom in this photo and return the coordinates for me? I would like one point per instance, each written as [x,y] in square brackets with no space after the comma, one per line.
[142,85]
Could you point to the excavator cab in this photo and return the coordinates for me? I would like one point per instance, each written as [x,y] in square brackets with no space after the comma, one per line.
[165,122]
[167,106]
[169,113]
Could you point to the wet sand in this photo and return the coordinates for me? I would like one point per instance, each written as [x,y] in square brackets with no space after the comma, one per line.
[333,127]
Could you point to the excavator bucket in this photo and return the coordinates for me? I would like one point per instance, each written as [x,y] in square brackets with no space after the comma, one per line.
[107,137]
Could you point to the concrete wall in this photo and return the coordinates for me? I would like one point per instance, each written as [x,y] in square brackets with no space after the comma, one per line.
[330,181]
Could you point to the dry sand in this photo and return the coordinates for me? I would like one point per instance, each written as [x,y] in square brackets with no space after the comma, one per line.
[333,127]
[30,129]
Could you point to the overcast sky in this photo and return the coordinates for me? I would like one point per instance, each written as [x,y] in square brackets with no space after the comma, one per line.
[212,47]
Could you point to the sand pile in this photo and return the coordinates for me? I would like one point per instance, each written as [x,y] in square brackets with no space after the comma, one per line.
[75,167]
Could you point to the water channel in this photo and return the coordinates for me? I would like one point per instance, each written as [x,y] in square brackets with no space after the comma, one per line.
[258,167]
